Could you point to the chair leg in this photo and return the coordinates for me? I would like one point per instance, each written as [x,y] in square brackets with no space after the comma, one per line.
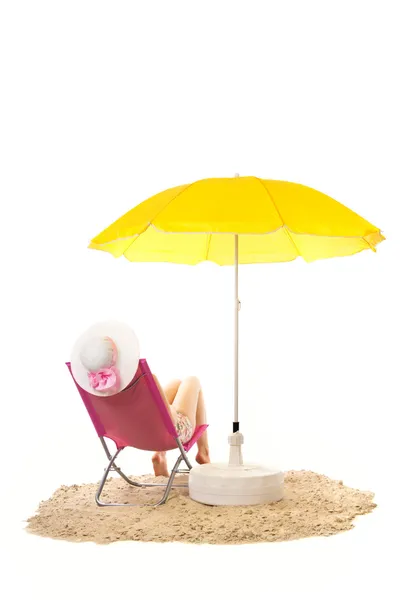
[183,453]
[104,479]
[167,486]
[170,482]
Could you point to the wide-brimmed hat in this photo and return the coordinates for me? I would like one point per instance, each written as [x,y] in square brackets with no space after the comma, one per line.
[105,358]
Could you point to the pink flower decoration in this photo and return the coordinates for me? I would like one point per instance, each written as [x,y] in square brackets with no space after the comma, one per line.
[103,379]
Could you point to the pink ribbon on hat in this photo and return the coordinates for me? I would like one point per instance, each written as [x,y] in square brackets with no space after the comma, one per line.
[104,379]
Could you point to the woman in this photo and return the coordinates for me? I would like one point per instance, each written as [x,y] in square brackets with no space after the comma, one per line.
[185,402]
[104,362]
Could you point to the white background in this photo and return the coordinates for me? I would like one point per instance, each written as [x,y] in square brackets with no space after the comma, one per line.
[104,104]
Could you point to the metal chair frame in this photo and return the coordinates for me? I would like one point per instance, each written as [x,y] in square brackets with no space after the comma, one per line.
[168,486]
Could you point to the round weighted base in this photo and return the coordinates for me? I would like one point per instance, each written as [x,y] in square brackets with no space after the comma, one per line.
[222,484]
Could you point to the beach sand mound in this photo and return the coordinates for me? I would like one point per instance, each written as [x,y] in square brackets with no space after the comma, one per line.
[313,505]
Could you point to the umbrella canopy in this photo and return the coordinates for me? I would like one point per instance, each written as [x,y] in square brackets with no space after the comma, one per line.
[277,221]
[233,221]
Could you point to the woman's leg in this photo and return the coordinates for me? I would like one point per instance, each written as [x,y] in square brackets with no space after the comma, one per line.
[189,400]
[171,389]
[159,459]
[203,454]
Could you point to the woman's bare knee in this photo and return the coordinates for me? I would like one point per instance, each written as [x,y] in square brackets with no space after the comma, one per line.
[193,381]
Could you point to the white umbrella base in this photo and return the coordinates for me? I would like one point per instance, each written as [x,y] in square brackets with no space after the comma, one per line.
[220,484]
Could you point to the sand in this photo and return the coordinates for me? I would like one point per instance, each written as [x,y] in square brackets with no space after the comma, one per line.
[314,505]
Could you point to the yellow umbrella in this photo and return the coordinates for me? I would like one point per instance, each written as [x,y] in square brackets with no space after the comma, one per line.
[275,221]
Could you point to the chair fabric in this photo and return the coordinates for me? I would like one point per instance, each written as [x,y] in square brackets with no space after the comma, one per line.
[137,416]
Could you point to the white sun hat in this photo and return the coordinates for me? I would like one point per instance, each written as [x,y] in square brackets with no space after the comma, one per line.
[105,358]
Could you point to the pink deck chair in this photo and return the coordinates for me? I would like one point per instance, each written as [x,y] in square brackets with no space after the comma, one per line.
[137,417]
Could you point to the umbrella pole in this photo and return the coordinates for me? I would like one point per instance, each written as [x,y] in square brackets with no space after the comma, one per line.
[236,338]
[236,439]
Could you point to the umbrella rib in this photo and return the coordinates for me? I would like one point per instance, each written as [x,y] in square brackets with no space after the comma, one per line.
[168,203]
[208,246]
[137,236]
[280,216]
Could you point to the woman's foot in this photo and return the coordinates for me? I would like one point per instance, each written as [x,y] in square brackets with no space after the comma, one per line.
[160,467]
[203,456]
